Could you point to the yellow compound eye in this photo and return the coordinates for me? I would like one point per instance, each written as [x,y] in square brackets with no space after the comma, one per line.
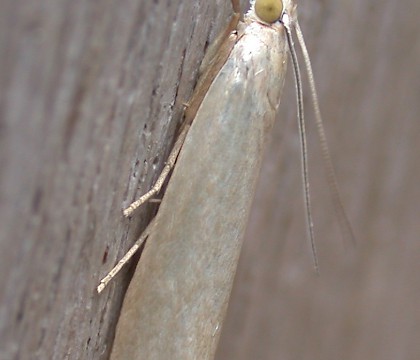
[269,11]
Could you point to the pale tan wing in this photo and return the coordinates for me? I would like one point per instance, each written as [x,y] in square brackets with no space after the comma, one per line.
[178,296]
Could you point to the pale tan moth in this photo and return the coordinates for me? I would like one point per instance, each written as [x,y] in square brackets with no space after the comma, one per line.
[200,224]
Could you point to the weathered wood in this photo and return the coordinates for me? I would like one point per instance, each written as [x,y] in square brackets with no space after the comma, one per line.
[91,94]
[365,304]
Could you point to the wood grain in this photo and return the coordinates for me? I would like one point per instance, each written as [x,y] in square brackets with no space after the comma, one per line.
[91,94]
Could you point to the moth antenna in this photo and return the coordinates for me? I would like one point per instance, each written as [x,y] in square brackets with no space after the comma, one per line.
[302,136]
[343,219]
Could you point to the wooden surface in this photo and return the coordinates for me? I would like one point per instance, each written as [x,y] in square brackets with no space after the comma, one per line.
[90,97]
[365,304]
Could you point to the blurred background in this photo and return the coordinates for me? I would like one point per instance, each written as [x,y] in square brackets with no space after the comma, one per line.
[91,95]
[366,302]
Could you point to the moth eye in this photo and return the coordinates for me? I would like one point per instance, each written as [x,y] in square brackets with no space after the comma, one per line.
[269,11]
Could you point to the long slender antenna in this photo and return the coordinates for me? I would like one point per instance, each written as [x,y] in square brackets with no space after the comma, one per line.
[302,135]
[344,222]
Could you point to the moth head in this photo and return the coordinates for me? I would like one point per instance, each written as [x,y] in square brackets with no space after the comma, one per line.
[269,11]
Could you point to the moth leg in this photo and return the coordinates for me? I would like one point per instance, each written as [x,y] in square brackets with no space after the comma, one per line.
[128,211]
[116,269]
[163,175]
[215,46]
[219,53]
[213,61]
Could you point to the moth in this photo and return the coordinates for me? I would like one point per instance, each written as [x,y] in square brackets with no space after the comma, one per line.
[177,298]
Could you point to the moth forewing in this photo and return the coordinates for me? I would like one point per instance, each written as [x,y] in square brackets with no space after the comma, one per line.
[180,289]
